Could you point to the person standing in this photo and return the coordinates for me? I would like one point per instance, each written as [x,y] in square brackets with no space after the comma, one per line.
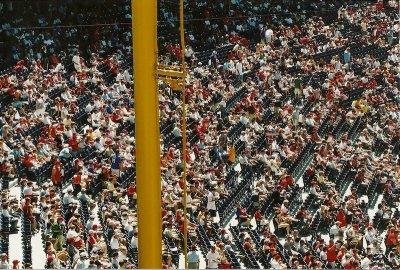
[390,36]
[231,154]
[76,183]
[116,163]
[239,70]
[76,60]
[114,261]
[268,35]
[80,264]
[15,264]
[4,261]
[56,173]
[331,254]
[346,55]
[212,259]
[212,197]
[57,229]
[193,259]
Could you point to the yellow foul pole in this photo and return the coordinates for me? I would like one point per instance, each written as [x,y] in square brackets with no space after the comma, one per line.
[184,137]
[144,28]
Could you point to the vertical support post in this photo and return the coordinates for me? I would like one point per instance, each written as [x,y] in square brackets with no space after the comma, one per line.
[184,139]
[148,173]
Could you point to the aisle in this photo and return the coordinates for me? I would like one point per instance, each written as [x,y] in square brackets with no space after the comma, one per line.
[38,254]
[15,250]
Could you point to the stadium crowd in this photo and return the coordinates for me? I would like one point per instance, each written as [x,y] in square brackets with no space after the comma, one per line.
[293,135]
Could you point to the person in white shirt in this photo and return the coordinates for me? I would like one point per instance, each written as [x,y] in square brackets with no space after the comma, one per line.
[4,212]
[72,234]
[4,262]
[188,53]
[119,77]
[76,60]
[239,70]
[212,258]
[114,243]
[334,230]
[90,223]
[122,254]
[365,263]
[349,232]
[134,240]
[46,120]
[284,207]
[80,264]
[28,190]
[268,35]
[275,262]
[66,95]
[370,235]
[44,215]
[212,197]
[243,119]
[40,106]
[67,199]
[127,76]
[177,132]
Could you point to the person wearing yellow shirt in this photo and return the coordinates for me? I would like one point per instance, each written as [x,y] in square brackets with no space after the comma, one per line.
[67,120]
[360,106]
[231,154]
[110,185]
[91,135]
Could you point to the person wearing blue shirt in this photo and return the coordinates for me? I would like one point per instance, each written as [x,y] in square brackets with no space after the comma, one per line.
[90,167]
[109,108]
[193,259]
[116,162]
[106,95]
[346,56]
[65,153]
[16,153]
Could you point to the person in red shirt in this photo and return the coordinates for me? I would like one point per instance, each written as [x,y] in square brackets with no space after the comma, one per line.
[307,258]
[348,264]
[170,48]
[28,160]
[76,183]
[331,254]
[27,209]
[304,41]
[242,216]
[235,38]
[341,217]
[73,142]
[117,116]
[26,205]
[131,192]
[360,176]
[19,66]
[56,174]
[341,253]
[244,42]
[177,51]
[391,239]
[258,217]
[93,238]
[247,244]
[52,131]
[379,5]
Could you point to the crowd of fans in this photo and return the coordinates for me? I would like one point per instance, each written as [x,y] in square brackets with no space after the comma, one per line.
[293,133]
[208,22]
[48,31]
